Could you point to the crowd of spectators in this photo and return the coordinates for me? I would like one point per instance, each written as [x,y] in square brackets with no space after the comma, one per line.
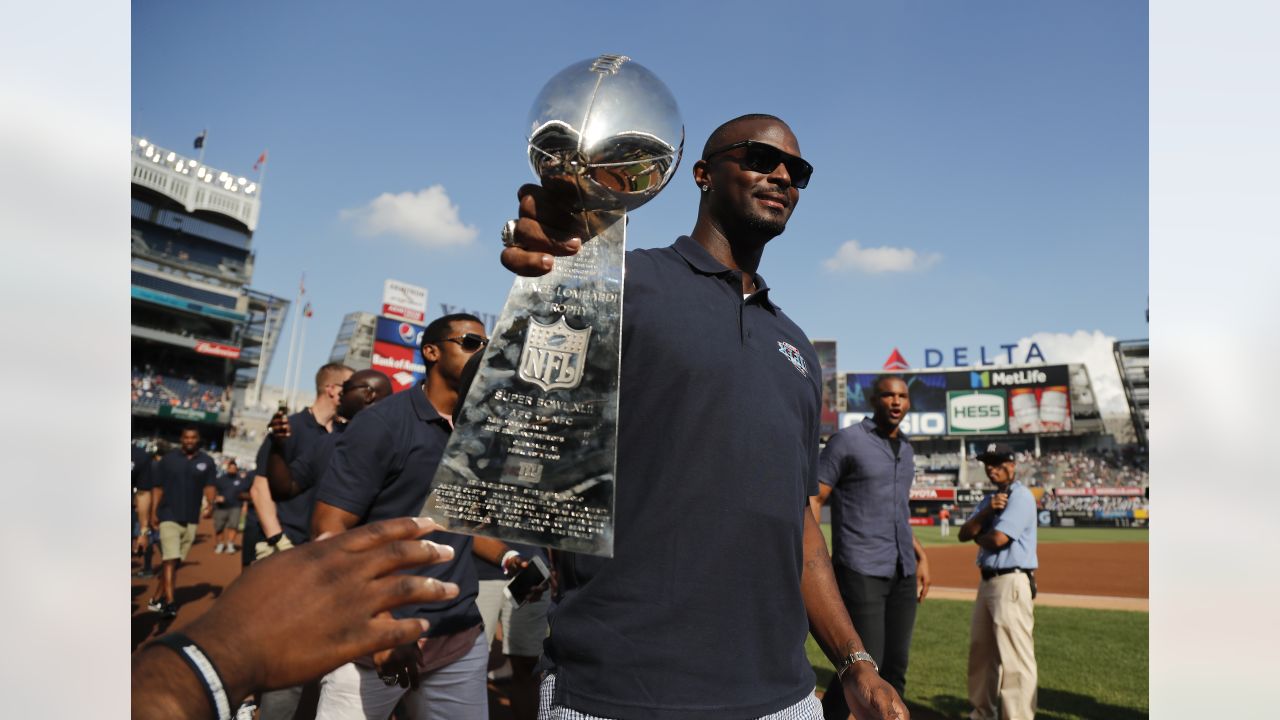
[151,388]
[1110,467]
[1088,469]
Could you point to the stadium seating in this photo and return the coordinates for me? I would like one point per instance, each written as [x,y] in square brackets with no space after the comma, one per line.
[151,389]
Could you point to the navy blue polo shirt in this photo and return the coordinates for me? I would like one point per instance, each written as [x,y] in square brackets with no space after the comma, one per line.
[306,471]
[699,613]
[183,479]
[230,486]
[870,514]
[294,514]
[382,467]
[140,469]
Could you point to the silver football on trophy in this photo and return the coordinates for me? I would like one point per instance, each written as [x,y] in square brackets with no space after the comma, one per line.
[605,134]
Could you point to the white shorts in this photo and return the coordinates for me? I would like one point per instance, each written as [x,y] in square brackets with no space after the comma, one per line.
[523,628]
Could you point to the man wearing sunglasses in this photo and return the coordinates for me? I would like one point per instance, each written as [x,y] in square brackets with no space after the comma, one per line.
[288,479]
[719,570]
[382,466]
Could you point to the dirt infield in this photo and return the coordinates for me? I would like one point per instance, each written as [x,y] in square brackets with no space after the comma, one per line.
[200,581]
[1106,569]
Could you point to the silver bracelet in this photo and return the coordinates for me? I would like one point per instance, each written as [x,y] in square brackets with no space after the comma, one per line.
[204,668]
[855,657]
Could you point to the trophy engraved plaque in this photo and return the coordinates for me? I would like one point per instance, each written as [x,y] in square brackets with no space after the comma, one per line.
[533,456]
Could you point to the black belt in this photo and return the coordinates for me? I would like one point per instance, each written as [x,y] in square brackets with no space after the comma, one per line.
[988,573]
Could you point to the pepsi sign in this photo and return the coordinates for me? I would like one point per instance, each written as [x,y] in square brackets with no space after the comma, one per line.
[399,332]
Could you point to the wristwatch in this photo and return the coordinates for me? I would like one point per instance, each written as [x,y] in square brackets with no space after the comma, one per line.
[852,658]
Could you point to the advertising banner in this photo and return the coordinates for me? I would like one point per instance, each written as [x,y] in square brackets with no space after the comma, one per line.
[398,332]
[403,301]
[206,347]
[1113,491]
[1034,399]
[181,413]
[927,493]
[402,364]
[976,412]
[920,520]
[829,421]
[969,497]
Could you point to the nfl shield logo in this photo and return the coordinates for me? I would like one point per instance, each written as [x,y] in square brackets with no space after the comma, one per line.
[554,356]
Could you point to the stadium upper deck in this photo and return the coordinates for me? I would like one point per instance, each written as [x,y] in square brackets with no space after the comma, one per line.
[198,330]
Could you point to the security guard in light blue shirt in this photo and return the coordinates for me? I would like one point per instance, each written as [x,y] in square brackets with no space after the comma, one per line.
[1002,660]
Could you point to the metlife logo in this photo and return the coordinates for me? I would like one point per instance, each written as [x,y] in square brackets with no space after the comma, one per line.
[1007,378]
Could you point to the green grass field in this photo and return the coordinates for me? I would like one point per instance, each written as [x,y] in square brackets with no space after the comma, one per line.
[1092,663]
[928,536]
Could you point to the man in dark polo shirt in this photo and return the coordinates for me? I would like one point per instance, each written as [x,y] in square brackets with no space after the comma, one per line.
[720,570]
[231,491]
[280,526]
[382,467]
[181,479]
[145,534]
[867,470]
[289,480]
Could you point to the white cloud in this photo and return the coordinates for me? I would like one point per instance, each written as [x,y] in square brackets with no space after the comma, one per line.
[1093,349]
[872,260]
[426,217]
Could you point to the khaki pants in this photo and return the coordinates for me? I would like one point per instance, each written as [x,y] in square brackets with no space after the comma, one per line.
[1002,653]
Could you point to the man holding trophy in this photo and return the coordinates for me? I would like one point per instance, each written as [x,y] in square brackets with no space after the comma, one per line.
[718,570]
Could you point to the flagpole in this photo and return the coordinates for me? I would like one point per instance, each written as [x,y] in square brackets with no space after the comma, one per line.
[204,140]
[262,173]
[302,343]
[293,339]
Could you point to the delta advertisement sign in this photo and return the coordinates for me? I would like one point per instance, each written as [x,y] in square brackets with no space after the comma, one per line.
[1006,401]
[397,352]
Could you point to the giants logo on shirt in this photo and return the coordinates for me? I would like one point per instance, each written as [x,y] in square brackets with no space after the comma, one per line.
[792,354]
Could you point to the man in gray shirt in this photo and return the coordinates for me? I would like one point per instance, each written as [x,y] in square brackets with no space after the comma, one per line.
[867,470]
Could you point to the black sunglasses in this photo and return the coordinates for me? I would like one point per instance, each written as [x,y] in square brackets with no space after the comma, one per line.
[470,342]
[764,158]
[348,387]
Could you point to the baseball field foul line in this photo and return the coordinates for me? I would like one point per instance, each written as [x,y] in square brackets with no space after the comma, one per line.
[1091,602]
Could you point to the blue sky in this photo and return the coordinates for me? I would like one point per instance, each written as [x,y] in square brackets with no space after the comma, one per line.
[981,167]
